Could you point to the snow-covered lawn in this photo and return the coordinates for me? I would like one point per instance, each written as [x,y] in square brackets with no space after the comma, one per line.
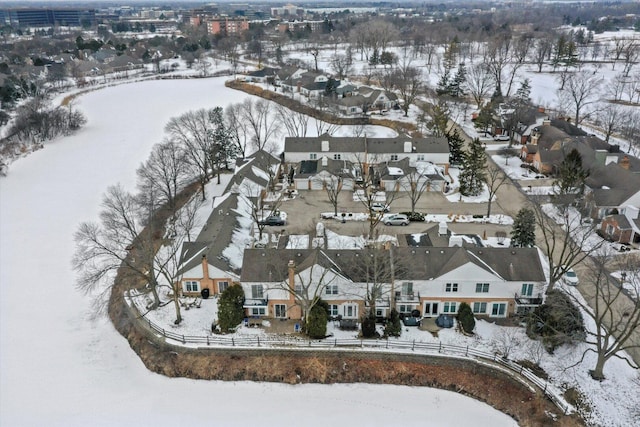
[60,368]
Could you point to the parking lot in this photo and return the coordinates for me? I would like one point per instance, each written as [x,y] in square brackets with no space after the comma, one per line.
[304,212]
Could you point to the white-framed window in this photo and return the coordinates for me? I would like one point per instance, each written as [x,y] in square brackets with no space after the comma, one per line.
[280,310]
[333,310]
[313,156]
[450,307]
[331,290]
[190,286]
[394,157]
[258,311]
[499,309]
[337,156]
[222,286]
[482,288]
[407,288]
[257,292]
[451,287]
[480,307]
[527,289]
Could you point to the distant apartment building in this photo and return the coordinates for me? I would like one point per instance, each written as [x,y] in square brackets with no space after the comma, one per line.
[294,26]
[287,12]
[44,17]
[227,26]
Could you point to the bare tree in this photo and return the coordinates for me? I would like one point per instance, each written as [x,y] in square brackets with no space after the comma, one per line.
[260,208]
[479,83]
[296,123]
[341,66]
[414,184]
[494,178]
[333,187]
[497,57]
[119,241]
[581,90]
[614,310]
[610,118]
[238,128]
[164,173]
[193,131]
[541,51]
[408,81]
[564,239]
[258,115]
[323,127]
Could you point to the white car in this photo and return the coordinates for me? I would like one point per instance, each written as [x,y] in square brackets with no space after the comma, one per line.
[379,207]
[570,277]
[501,137]
[398,219]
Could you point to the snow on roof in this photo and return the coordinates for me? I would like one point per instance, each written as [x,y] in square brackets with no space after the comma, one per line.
[395,171]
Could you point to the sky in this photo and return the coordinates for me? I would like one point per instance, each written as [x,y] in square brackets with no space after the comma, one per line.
[60,368]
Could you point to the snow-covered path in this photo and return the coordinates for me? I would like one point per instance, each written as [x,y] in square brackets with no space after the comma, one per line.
[58,368]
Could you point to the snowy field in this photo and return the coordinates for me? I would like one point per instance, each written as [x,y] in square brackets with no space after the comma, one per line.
[59,368]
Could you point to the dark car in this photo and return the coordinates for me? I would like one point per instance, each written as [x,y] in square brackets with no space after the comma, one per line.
[272,220]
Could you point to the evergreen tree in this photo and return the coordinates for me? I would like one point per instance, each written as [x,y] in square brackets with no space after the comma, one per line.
[456,144]
[442,88]
[375,57]
[571,178]
[394,326]
[472,177]
[230,311]
[465,317]
[523,232]
[369,325]
[558,321]
[455,87]
[484,119]
[317,322]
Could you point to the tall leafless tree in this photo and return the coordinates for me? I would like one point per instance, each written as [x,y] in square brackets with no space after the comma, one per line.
[581,91]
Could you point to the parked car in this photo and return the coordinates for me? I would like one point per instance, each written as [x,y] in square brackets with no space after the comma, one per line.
[397,219]
[414,216]
[379,207]
[570,277]
[272,220]
[501,137]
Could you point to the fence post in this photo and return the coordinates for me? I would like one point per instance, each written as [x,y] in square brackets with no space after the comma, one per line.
[183,340]
[163,334]
[258,341]
[207,339]
[361,343]
[387,343]
[335,342]
[233,344]
[440,348]
[466,353]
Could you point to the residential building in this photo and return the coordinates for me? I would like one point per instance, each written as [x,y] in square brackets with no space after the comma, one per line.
[227,26]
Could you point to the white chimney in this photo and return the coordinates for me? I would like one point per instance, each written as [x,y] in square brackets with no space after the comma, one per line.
[408,147]
[325,161]
[443,229]
[325,146]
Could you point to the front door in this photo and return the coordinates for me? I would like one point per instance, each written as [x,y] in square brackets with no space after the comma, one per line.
[430,309]
[280,310]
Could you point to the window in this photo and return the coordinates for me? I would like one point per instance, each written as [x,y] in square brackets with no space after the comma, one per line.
[258,311]
[222,286]
[297,288]
[257,292]
[480,307]
[499,309]
[313,156]
[280,310]
[379,312]
[337,157]
[402,308]
[482,288]
[407,288]
[450,307]
[421,157]
[451,287]
[191,286]
[331,290]
[527,289]
[394,157]
[333,310]
[350,311]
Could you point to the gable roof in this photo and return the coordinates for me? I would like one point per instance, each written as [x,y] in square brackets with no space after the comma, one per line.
[365,144]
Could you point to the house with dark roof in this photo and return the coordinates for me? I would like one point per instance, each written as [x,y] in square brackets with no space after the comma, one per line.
[263,75]
[495,282]
[318,174]
[367,152]
[362,100]
[308,83]
[402,176]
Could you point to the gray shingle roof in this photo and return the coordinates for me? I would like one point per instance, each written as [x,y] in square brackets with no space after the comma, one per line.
[358,144]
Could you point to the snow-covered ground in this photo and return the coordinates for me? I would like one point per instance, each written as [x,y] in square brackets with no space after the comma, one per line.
[59,368]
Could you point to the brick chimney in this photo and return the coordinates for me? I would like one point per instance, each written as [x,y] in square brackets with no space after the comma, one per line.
[205,267]
[624,163]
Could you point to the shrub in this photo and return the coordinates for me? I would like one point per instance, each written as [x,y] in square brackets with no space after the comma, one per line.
[230,311]
[317,322]
[557,321]
[393,327]
[465,318]
[369,326]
